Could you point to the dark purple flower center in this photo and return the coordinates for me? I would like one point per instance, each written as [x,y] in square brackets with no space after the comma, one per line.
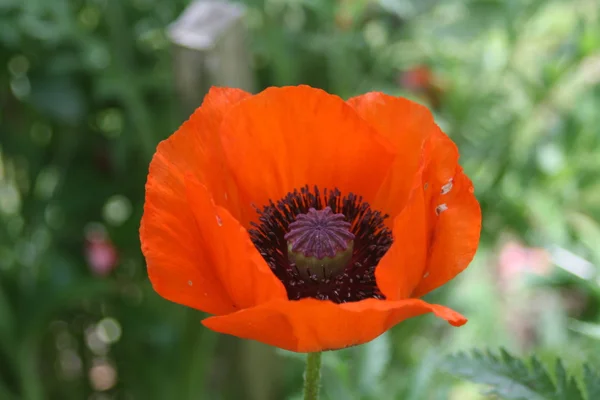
[319,233]
[323,245]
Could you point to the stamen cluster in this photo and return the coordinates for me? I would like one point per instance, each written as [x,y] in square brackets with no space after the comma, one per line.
[346,218]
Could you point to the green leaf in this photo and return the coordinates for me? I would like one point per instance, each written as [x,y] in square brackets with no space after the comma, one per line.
[512,378]
[591,380]
[566,387]
[508,376]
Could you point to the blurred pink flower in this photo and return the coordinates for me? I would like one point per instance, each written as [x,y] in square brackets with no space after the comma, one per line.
[522,307]
[100,253]
[515,260]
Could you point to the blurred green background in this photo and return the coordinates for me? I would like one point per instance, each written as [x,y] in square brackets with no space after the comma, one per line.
[89,87]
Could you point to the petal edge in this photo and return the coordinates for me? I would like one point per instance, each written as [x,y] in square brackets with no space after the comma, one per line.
[311,325]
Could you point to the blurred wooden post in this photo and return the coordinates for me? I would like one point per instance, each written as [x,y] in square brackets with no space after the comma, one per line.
[210,49]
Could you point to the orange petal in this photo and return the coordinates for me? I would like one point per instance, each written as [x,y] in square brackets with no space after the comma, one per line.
[407,125]
[175,258]
[228,251]
[170,237]
[196,148]
[454,233]
[311,325]
[286,138]
[403,266]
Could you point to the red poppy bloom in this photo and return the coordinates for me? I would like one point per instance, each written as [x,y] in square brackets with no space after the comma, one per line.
[304,221]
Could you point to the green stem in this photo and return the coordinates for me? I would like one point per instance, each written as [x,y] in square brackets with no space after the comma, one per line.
[312,376]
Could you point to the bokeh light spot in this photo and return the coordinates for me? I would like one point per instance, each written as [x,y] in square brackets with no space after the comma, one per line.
[117,210]
[109,330]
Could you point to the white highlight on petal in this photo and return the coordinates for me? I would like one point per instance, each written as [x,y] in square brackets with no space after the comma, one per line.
[447,187]
[440,209]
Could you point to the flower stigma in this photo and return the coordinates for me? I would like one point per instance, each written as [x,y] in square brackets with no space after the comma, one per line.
[320,243]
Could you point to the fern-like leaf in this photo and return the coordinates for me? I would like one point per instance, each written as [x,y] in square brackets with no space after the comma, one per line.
[591,380]
[511,378]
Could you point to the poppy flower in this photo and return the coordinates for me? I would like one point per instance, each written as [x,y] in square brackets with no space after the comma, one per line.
[305,221]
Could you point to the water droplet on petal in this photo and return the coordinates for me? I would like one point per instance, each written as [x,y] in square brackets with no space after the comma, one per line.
[440,209]
[219,220]
[190,283]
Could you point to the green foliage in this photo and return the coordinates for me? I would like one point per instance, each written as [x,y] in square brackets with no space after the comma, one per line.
[591,378]
[513,378]
[87,89]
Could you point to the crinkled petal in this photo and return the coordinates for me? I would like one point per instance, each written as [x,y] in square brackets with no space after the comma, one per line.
[454,235]
[230,254]
[180,261]
[195,148]
[406,125]
[403,266]
[454,215]
[285,138]
[425,157]
[311,325]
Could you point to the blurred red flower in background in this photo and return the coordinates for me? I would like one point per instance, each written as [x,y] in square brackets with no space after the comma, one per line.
[421,81]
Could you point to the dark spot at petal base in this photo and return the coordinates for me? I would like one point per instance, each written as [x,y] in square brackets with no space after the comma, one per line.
[356,281]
